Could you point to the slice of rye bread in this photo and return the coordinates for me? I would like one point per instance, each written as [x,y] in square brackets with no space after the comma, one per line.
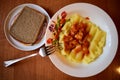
[26,27]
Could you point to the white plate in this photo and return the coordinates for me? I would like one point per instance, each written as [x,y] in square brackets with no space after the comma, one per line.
[102,19]
[9,21]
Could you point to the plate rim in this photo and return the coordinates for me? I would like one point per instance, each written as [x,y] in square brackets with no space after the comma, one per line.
[52,56]
[11,12]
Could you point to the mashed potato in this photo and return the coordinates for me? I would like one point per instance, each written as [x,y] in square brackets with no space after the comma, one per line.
[81,40]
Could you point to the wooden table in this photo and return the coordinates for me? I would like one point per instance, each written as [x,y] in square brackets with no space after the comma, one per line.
[38,68]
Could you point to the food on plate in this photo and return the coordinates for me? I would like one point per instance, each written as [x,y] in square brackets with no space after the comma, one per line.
[77,38]
[27,26]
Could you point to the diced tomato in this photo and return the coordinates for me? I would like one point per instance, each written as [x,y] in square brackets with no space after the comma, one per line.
[78,48]
[49,41]
[63,14]
[79,35]
[87,18]
[67,38]
[85,50]
[62,21]
[73,30]
[56,36]
[86,43]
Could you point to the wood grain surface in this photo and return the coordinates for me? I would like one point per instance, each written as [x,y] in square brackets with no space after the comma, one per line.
[38,68]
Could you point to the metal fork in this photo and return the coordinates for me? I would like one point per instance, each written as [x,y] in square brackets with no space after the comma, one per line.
[44,51]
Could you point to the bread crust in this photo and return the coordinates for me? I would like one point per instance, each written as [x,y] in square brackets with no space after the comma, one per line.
[27,26]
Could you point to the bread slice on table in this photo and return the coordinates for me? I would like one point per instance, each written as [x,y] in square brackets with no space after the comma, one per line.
[26,27]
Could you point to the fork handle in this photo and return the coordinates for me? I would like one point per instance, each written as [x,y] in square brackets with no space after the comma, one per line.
[10,62]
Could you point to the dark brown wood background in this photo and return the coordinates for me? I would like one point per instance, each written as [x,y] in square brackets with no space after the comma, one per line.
[38,68]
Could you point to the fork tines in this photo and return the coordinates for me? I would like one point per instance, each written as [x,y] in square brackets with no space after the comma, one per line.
[50,49]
